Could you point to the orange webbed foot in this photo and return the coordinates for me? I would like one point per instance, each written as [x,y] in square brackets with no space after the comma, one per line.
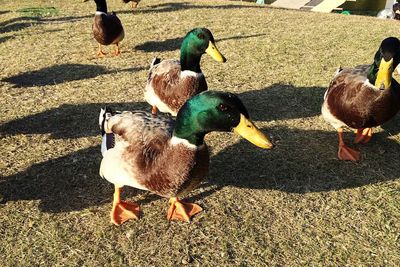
[363,135]
[124,211]
[182,211]
[101,53]
[346,153]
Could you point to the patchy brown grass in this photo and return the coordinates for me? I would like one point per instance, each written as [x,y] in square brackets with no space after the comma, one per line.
[295,205]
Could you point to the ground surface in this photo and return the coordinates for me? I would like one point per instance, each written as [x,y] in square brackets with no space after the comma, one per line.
[294,205]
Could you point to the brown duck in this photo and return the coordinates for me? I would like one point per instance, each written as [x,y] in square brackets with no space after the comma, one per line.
[107,28]
[168,157]
[364,97]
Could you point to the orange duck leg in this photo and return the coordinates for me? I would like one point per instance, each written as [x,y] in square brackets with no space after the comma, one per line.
[100,53]
[121,210]
[117,50]
[154,110]
[345,152]
[182,211]
[363,135]
[135,4]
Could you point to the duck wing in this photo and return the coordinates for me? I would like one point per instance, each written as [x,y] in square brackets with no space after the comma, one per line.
[140,128]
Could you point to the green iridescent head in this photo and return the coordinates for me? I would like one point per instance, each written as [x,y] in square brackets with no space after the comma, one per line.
[216,111]
[197,42]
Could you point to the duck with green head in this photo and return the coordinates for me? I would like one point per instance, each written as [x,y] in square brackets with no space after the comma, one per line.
[171,82]
[168,157]
[364,97]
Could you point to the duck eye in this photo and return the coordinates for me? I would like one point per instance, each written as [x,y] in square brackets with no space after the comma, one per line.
[222,107]
[201,36]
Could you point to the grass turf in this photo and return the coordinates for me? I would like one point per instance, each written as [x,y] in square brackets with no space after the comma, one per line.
[294,205]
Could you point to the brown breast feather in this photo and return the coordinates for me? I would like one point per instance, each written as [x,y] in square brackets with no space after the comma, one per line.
[107,28]
[170,88]
[163,169]
[359,105]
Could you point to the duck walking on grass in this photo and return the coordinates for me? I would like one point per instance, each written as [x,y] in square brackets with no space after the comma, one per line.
[364,97]
[172,82]
[107,28]
[168,157]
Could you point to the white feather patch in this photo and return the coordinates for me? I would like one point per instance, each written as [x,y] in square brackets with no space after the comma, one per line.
[180,141]
[100,13]
[101,116]
[154,100]
[189,73]
[326,93]
[369,84]
[115,170]
[328,117]
[153,62]
[103,144]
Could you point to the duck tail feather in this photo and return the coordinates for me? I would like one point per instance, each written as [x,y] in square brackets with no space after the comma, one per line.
[155,61]
[108,139]
[338,70]
[105,114]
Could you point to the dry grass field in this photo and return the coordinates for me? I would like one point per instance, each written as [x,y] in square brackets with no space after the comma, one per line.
[295,205]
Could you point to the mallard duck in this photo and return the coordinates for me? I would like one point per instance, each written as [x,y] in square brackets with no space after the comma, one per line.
[171,82]
[165,156]
[134,3]
[107,28]
[364,97]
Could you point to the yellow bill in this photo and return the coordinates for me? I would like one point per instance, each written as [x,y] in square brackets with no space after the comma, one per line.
[214,53]
[384,76]
[250,132]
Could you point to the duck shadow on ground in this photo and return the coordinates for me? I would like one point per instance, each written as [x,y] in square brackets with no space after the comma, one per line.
[62,73]
[303,161]
[67,183]
[16,24]
[283,101]
[20,23]
[171,7]
[175,43]
[71,182]
[392,127]
[5,38]
[66,121]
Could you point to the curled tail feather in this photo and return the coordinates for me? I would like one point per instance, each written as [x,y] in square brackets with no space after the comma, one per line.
[155,61]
